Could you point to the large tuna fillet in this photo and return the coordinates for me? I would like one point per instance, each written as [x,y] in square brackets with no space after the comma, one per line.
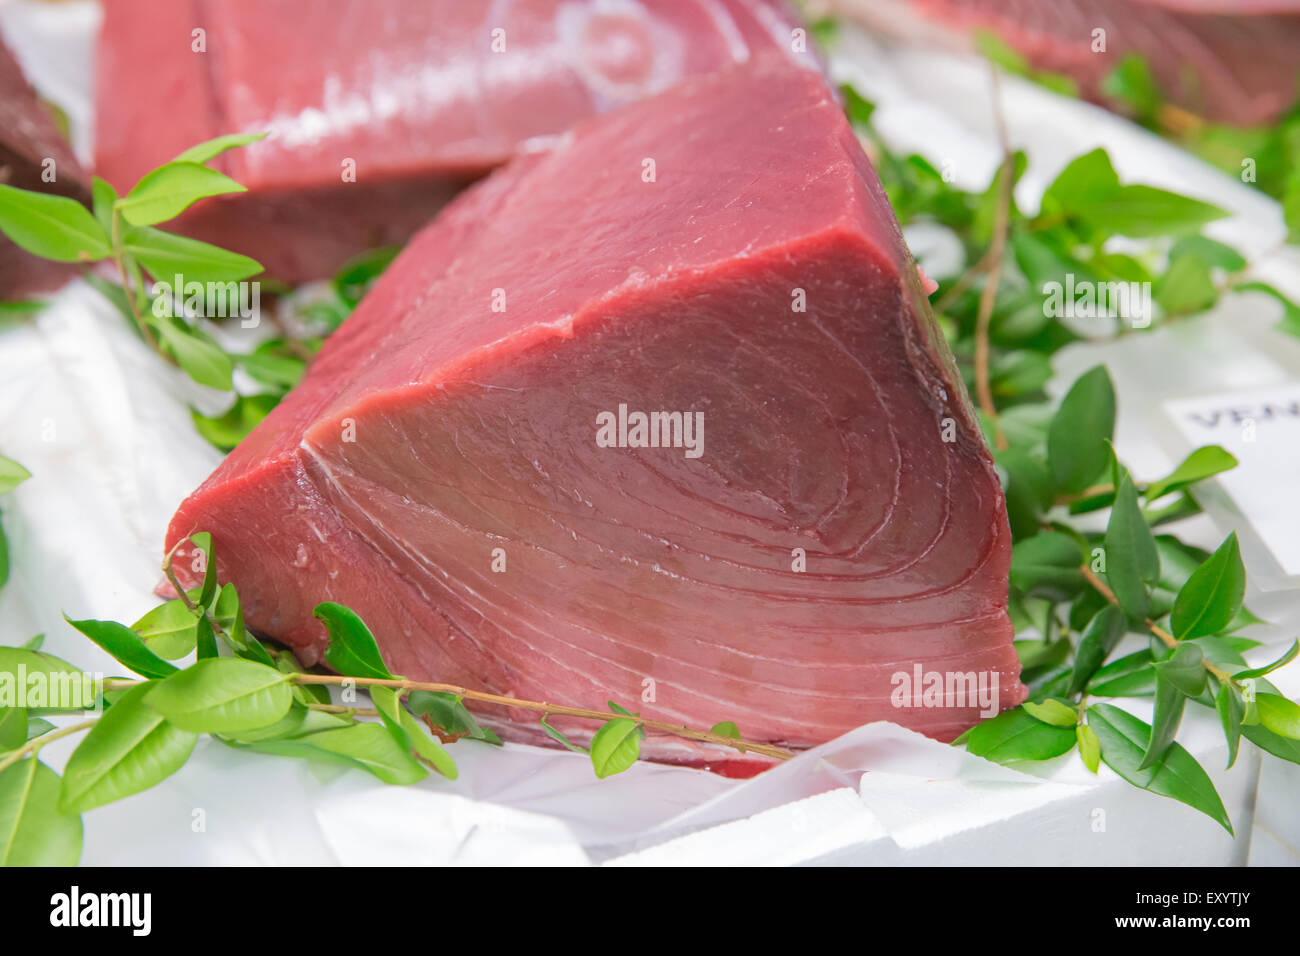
[1232,61]
[378,111]
[467,467]
[33,155]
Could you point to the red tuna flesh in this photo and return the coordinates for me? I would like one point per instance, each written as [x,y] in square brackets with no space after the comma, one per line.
[457,411]
[1232,61]
[33,155]
[410,94]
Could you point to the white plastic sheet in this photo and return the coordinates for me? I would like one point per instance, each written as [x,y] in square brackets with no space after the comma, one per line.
[105,430]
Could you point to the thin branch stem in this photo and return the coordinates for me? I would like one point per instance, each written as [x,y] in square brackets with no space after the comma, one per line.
[341,709]
[548,710]
[128,287]
[1164,636]
[194,608]
[988,295]
[36,743]
[964,282]
[1092,492]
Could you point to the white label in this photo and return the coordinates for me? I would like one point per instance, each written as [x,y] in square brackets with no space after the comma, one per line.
[1261,427]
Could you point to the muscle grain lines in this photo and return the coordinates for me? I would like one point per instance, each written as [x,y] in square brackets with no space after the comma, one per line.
[827,538]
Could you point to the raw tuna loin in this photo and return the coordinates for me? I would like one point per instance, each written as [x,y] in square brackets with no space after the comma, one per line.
[723,252]
[378,111]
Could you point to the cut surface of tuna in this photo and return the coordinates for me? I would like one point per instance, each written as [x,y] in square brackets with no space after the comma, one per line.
[464,467]
[378,111]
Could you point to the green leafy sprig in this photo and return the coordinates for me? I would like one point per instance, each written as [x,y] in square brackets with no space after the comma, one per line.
[123,231]
[254,698]
[1076,591]
[12,475]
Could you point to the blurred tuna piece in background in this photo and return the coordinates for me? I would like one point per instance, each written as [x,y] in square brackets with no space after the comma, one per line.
[378,111]
[34,154]
[1229,61]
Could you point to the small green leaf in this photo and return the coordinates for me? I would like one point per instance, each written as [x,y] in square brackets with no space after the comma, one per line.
[1279,715]
[560,737]
[131,748]
[168,630]
[858,108]
[1230,707]
[1047,565]
[358,274]
[203,541]
[1132,562]
[125,645]
[166,192]
[34,831]
[1124,740]
[449,712]
[726,728]
[1185,669]
[1085,179]
[1284,748]
[52,227]
[167,255]
[103,196]
[36,662]
[1170,703]
[200,359]
[1186,287]
[227,430]
[615,747]
[222,695]
[292,724]
[389,705]
[1133,84]
[352,649]
[13,728]
[205,640]
[1028,490]
[1282,661]
[372,747]
[1212,596]
[1089,747]
[1209,251]
[204,152]
[275,370]
[1052,712]
[1143,211]
[1101,636]
[12,475]
[1015,735]
[1133,675]
[1078,440]
[1205,462]
[428,749]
